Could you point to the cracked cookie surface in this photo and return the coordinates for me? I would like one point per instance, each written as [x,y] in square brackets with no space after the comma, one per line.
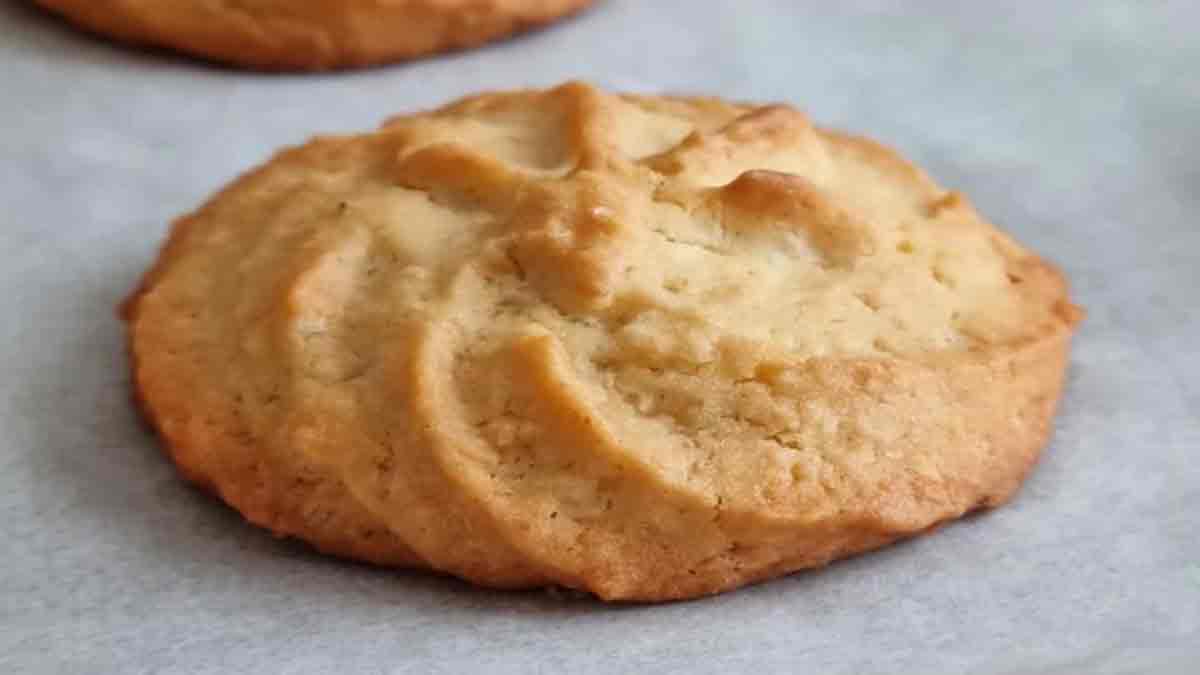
[311,34]
[647,347]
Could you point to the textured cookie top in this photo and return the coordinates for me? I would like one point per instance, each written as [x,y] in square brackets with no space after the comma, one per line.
[613,342]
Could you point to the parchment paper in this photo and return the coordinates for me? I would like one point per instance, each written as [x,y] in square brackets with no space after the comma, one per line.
[1074,125]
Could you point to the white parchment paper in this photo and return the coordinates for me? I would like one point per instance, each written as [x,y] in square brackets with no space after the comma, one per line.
[1074,125]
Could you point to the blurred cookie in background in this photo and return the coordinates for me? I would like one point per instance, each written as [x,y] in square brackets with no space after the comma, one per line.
[311,34]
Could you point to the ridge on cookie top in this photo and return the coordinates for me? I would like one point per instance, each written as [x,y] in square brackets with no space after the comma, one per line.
[648,347]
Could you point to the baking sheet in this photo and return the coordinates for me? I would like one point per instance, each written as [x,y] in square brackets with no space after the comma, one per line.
[1074,125]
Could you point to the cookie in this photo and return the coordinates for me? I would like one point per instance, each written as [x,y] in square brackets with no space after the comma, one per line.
[647,347]
[310,34]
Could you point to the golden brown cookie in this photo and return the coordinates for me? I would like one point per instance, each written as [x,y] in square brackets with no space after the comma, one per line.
[647,347]
[311,34]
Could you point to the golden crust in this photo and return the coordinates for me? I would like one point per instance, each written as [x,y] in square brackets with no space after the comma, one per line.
[651,348]
[311,34]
